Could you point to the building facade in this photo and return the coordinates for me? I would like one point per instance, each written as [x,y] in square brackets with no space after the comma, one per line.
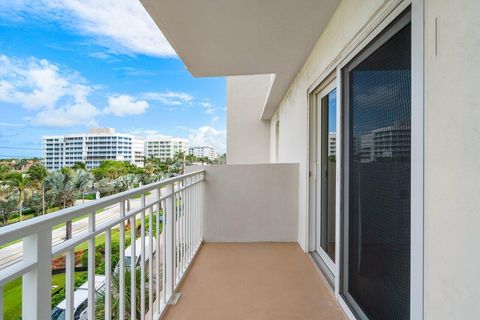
[92,148]
[203,151]
[165,148]
[382,233]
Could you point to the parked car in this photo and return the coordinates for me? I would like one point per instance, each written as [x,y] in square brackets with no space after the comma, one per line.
[80,301]
[138,251]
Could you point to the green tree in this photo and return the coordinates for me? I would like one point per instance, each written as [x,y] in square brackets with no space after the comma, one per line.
[79,166]
[21,183]
[7,208]
[4,170]
[82,181]
[125,183]
[111,169]
[37,174]
[61,184]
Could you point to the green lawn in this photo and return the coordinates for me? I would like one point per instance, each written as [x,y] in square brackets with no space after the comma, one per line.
[13,290]
[100,240]
[12,293]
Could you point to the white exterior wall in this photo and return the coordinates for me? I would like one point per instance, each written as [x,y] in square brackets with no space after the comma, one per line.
[349,18]
[452,167]
[236,209]
[452,159]
[248,138]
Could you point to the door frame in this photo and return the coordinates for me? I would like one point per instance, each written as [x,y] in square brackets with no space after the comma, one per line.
[326,265]
[386,13]
[388,33]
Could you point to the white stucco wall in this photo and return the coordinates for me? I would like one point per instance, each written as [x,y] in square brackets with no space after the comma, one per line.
[250,203]
[452,160]
[248,137]
[293,110]
[452,133]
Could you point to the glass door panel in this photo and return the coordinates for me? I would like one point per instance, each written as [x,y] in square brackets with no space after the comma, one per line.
[377,177]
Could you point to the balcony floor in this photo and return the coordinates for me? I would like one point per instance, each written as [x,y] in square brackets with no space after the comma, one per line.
[254,281]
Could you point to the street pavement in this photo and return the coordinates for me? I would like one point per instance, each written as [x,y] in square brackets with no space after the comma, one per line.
[13,253]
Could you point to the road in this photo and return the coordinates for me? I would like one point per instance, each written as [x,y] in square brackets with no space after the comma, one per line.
[14,252]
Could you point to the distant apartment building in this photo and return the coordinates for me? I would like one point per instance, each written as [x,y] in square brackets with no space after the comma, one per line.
[383,143]
[332,144]
[92,148]
[164,148]
[203,151]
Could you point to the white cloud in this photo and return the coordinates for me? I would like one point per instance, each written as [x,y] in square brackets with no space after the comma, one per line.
[148,133]
[122,105]
[170,98]
[215,119]
[8,124]
[33,83]
[207,135]
[208,108]
[59,97]
[122,26]
[79,113]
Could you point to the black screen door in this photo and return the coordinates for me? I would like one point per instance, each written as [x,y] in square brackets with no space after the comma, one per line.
[376,270]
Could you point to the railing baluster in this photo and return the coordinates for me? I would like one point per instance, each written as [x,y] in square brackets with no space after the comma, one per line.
[142,260]
[108,271]
[169,242]
[121,291]
[133,268]
[184,231]
[180,227]
[195,205]
[69,284]
[36,284]
[189,208]
[157,255]
[150,263]
[175,233]
[164,252]
[1,303]
[91,268]
[201,206]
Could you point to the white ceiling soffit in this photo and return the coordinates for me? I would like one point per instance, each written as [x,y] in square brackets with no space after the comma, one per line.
[243,37]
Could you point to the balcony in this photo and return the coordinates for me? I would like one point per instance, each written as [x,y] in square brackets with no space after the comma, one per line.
[215,243]
[254,281]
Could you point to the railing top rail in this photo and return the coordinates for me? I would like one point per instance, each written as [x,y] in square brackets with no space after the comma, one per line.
[21,229]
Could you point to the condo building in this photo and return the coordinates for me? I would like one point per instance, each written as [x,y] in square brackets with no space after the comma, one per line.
[203,151]
[92,148]
[164,148]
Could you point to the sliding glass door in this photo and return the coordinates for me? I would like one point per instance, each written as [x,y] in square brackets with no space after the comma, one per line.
[325,176]
[376,184]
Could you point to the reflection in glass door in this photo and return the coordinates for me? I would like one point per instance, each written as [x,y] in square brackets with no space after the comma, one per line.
[376,229]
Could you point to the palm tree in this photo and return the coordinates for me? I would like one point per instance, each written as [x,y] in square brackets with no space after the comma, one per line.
[21,182]
[37,174]
[61,183]
[82,181]
[127,182]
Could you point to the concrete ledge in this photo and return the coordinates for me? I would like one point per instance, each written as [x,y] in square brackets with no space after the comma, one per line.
[251,203]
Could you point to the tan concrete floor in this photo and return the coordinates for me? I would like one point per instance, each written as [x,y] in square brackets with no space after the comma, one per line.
[254,281]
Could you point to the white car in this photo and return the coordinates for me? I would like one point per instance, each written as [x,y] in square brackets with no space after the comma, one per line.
[138,251]
[80,301]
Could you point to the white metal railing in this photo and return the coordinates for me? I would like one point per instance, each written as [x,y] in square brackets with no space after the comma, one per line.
[170,233]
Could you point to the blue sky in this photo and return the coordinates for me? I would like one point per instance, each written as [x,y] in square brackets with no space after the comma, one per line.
[67,65]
